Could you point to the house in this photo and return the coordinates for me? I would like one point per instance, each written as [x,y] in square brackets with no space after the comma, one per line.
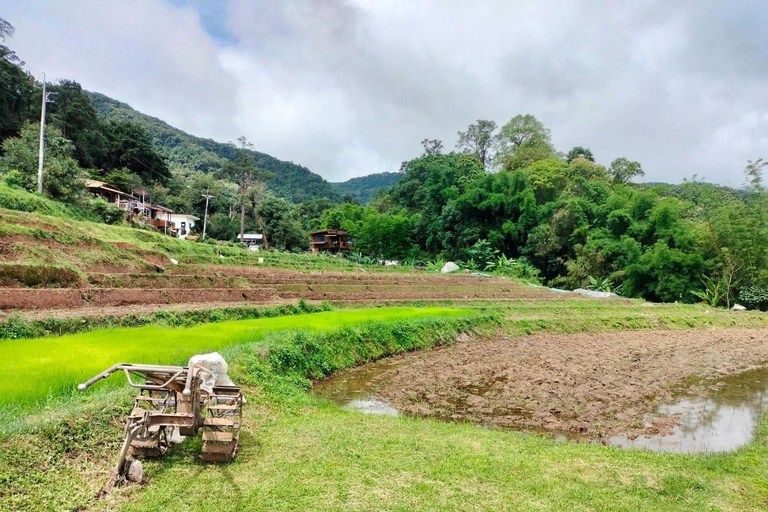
[330,240]
[183,223]
[107,192]
[136,206]
[252,239]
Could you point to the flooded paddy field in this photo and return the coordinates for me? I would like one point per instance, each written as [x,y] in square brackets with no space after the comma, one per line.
[676,391]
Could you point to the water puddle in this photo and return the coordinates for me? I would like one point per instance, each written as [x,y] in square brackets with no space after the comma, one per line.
[357,389]
[723,420]
[720,422]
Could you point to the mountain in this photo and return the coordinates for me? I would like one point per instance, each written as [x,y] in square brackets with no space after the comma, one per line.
[365,188]
[291,181]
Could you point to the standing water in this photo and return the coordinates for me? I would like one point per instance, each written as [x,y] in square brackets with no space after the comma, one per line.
[722,421]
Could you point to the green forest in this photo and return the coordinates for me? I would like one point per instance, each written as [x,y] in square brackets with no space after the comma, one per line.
[365,188]
[503,200]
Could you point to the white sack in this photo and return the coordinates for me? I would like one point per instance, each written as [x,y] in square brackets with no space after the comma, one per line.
[212,370]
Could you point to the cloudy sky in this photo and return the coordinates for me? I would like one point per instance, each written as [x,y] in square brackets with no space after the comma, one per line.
[351,87]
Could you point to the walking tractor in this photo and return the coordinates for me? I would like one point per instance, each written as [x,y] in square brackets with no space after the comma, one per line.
[174,402]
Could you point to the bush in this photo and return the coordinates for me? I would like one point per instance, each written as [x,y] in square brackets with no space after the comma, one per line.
[754,297]
[108,212]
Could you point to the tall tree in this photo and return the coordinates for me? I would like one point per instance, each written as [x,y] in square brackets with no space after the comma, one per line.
[16,88]
[7,30]
[479,140]
[580,152]
[73,113]
[623,170]
[754,174]
[62,177]
[523,141]
[129,146]
[243,171]
[432,146]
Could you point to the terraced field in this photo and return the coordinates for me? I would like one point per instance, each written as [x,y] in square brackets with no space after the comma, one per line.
[71,268]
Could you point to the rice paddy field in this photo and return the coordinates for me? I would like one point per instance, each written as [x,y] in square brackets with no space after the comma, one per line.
[52,366]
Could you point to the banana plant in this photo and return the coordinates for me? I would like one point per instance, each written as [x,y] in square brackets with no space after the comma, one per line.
[714,291]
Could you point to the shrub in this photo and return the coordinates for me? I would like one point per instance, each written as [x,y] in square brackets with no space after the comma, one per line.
[754,297]
[108,212]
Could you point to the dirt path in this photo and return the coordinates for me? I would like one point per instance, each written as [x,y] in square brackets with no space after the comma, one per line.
[592,384]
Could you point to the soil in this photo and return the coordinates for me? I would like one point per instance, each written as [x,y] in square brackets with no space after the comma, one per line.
[590,385]
[252,284]
[133,309]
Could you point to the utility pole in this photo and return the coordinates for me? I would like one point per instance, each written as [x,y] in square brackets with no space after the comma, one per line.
[207,197]
[46,99]
[42,144]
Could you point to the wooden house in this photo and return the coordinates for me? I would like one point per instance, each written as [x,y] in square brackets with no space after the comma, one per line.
[330,240]
[107,192]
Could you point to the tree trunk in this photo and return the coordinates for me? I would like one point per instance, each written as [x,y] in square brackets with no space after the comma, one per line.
[261,227]
[242,222]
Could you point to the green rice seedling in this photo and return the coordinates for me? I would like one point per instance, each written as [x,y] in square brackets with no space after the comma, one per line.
[40,369]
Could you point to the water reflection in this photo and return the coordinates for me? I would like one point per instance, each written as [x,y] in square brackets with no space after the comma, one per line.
[722,421]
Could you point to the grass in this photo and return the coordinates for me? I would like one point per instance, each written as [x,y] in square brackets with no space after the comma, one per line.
[16,326]
[52,366]
[14,198]
[327,459]
[58,240]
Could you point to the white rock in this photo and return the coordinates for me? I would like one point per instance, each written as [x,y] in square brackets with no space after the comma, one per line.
[738,307]
[391,263]
[135,471]
[261,260]
[596,295]
[175,262]
[449,267]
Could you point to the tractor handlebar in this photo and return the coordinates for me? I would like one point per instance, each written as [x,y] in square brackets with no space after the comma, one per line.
[103,375]
[164,374]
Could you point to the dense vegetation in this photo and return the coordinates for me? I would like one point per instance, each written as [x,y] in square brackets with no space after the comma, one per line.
[365,188]
[188,154]
[571,221]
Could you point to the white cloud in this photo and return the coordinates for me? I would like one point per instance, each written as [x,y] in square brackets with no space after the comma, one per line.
[154,56]
[351,87]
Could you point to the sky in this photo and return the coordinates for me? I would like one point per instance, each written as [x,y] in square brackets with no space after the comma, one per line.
[350,87]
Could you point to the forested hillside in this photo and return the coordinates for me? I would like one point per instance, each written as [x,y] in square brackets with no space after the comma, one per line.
[507,201]
[184,151]
[365,188]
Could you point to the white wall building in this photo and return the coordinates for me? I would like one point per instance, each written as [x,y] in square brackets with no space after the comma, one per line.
[252,240]
[183,223]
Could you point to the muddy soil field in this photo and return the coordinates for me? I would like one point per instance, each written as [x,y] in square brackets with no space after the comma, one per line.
[590,385]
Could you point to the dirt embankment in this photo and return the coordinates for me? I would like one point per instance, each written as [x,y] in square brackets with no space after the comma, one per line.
[592,384]
[238,285]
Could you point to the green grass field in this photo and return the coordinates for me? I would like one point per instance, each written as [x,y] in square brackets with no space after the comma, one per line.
[53,366]
[328,459]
